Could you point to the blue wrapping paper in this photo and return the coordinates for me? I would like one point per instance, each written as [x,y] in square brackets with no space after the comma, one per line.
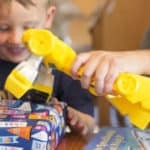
[30,126]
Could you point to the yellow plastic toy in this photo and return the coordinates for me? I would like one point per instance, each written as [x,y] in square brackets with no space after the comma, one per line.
[132,92]
[27,77]
[23,76]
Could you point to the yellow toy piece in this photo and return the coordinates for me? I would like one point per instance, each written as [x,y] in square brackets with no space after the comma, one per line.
[27,76]
[44,43]
[132,96]
[17,84]
[134,88]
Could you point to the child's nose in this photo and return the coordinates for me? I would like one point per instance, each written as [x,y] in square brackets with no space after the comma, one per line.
[15,37]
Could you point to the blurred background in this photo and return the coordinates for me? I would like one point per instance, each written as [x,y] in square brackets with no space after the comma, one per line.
[106,25]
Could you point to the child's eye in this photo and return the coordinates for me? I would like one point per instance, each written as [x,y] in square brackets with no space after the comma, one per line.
[4,28]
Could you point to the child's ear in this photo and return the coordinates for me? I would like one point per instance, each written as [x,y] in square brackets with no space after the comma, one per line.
[51,11]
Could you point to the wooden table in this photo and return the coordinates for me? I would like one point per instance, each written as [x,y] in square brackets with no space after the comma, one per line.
[72,141]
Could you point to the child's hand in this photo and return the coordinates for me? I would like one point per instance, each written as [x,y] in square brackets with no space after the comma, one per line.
[104,67]
[80,122]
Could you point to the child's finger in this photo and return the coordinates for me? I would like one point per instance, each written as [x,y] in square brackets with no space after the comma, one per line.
[80,124]
[70,113]
[85,130]
[80,60]
[74,121]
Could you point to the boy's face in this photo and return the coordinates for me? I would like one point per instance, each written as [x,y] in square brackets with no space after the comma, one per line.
[14,19]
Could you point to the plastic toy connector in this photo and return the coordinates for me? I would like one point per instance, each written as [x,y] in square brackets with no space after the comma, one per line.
[132,96]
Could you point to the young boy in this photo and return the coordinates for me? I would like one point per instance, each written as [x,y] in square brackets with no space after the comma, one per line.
[18,15]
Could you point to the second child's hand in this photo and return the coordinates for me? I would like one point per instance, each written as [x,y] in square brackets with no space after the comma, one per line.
[75,122]
[78,121]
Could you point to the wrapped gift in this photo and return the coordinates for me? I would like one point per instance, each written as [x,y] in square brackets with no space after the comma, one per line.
[30,126]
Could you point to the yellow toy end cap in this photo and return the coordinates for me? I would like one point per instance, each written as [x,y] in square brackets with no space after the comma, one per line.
[126,84]
[39,41]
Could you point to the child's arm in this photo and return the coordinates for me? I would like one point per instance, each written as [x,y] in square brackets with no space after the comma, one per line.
[105,66]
